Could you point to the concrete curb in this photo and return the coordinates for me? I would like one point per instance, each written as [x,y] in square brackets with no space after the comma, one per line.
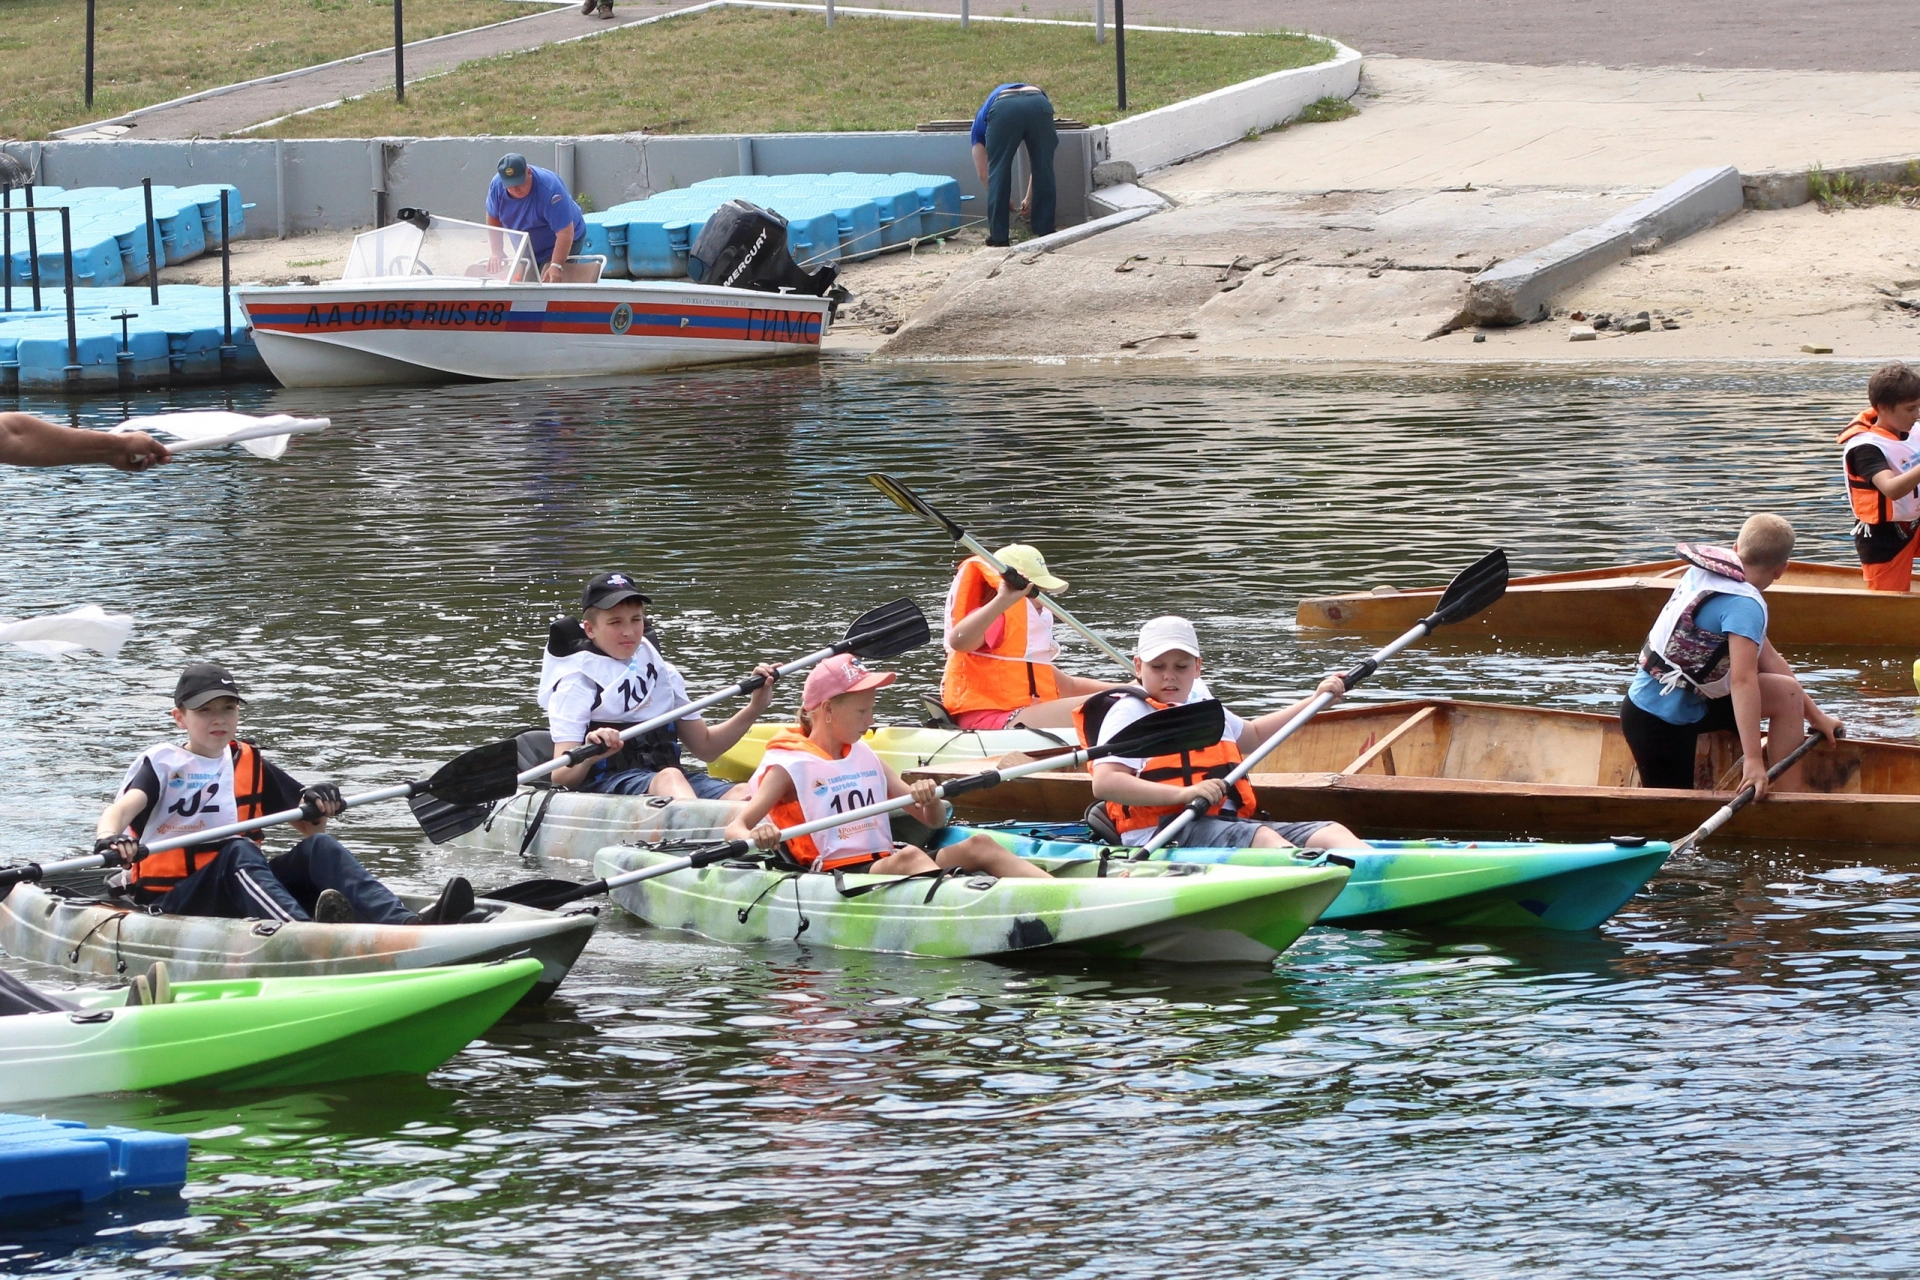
[1156,139]
[1125,197]
[1788,188]
[1040,245]
[1522,289]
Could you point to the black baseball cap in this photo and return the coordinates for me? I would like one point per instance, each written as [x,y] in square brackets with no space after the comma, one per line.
[609,589]
[201,683]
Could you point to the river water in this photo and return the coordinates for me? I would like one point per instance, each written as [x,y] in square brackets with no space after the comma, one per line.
[1712,1083]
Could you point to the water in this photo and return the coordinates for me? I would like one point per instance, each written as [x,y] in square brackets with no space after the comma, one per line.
[1711,1083]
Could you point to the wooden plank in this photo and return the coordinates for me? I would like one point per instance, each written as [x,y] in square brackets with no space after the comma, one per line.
[1383,749]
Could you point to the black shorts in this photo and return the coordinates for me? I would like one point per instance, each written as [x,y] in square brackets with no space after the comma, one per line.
[1664,751]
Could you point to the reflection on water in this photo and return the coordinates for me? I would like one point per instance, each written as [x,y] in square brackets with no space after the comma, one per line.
[1704,1086]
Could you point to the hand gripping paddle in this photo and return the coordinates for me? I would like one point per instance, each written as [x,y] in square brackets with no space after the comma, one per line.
[884,632]
[1471,592]
[1188,728]
[1726,811]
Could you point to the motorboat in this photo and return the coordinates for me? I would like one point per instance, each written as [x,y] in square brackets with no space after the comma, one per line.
[433,299]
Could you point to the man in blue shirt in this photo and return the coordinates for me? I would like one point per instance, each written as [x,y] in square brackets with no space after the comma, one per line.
[1012,116]
[525,198]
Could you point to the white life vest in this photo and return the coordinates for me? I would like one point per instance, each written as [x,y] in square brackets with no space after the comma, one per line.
[196,792]
[628,692]
[823,788]
[1681,653]
[1901,456]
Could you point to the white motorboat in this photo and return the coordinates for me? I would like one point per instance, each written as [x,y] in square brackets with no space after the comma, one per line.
[432,299]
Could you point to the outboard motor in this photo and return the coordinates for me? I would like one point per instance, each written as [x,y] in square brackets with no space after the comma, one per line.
[745,247]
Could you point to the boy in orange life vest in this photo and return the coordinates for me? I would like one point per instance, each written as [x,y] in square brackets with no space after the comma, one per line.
[1142,795]
[824,767]
[1882,469]
[1000,648]
[217,779]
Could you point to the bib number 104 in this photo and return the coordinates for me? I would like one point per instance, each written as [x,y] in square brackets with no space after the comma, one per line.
[848,801]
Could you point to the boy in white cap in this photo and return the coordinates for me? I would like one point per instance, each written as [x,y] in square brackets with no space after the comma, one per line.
[823,767]
[617,679]
[1143,794]
[1000,647]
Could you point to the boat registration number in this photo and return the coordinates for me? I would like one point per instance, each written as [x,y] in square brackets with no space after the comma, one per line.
[407,315]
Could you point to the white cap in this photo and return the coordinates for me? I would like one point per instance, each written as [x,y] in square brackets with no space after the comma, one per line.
[1164,635]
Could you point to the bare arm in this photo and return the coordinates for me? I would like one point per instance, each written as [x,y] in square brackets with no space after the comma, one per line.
[1745,676]
[927,807]
[1120,784]
[27,441]
[970,632]
[1078,686]
[562,249]
[751,823]
[1259,730]
[115,817]
[710,742]
[980,161]
[608,740]
[1897,484]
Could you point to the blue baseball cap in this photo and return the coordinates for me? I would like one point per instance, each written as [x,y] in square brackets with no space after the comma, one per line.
[513,168]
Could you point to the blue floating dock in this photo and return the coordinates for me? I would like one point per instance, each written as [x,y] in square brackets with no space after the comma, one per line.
[831,217]
[54,1163]
[177,342]
[110,231]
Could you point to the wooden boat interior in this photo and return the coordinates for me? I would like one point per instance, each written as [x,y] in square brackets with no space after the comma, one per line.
[1800,573]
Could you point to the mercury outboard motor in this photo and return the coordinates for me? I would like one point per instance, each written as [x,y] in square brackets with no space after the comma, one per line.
[745,247]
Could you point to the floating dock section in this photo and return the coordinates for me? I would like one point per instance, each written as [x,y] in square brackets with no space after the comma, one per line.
[120,339]
[831,217]
[53,1164]
[110,231]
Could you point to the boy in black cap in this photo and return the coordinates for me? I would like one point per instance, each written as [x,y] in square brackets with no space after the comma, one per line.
[617,678]
[218,778]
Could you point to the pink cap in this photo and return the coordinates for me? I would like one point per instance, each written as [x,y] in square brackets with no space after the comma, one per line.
[841,674]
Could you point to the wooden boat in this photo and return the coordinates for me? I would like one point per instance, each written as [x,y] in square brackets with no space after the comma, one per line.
[1490,769]
[1811,604]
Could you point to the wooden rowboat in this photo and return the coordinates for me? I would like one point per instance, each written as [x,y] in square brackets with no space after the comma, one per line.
[1488,769]
[1811,604]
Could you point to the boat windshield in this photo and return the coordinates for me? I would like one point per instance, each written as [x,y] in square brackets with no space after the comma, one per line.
[442,247]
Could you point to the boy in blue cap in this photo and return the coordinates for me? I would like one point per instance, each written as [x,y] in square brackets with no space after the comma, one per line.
[524,197]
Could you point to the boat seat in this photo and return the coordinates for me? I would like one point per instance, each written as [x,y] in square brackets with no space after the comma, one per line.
[18,997]
[1101,824]
[536,747]
[937,716]
[583,270]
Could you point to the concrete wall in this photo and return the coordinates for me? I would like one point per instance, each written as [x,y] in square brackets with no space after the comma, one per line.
[310,184]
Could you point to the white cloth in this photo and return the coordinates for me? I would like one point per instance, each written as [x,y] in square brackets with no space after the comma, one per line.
[827,787]
[61,634]
[589,687]
[191,793]
[1695,585]
[1127,710]
[1900,455]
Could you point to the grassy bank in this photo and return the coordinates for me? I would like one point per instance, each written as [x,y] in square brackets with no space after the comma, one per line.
[777,71]
[147,52]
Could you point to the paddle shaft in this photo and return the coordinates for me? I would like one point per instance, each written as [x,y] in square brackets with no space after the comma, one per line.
[1360,671]
[1745,798]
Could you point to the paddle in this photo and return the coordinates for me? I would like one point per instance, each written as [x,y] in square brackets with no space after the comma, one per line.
[213,428]
[1473,590]
[1198,724]
[58,634]
[466,778]
[909,501]
[883,632]
[1745,798]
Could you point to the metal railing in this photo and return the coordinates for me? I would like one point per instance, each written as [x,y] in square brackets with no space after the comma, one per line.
[7,210]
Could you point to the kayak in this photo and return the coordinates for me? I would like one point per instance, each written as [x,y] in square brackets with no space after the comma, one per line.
[1398,884]
[903,746]
[1153,911]
[1436,766]
[1811,604]
[86,936]
[248,1033]
[571,826]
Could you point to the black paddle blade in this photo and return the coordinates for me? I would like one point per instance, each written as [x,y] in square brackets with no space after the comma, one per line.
[545,895]
[891,629]
[1473,590]
[479,776]
[442,821]
[1192,727]
[909,501]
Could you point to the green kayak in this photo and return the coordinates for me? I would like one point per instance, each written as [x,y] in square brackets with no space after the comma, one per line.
[250,1033]
[1156,911]
[1399,884]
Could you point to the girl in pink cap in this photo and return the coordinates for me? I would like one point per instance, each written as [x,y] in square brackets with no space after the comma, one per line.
[824,767]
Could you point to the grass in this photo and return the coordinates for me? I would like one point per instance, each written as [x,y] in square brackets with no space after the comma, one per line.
[148,51]
[1319,111]
[748,70]
[1844,191]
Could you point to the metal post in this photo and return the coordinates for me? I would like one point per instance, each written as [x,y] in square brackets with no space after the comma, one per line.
[1099,21]
[153,248]
[399,57]
[125,357]
[829,13]
[89,52]
[6,234]
[33,249]
[964,15]
[226,286]
[73,334]
[1120,48]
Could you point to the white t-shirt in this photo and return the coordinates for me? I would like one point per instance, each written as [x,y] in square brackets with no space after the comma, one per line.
[589,687]
[1127,710]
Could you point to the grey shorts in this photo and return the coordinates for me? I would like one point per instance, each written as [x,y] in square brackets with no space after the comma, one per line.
[1206,832]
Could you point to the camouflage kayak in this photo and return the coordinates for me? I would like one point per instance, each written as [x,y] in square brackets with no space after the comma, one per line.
[106,940]
[1153,911]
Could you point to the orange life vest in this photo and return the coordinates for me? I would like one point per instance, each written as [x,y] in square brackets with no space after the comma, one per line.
[1018,671]
[1179,769]
[823,787]
[1870,506]
[159,872]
